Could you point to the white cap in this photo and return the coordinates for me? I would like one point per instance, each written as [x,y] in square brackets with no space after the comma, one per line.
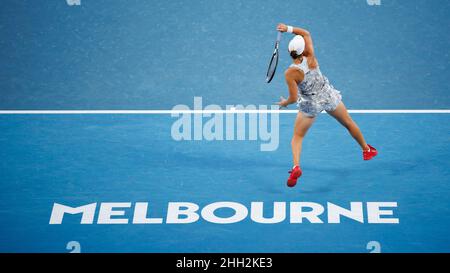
[297,44]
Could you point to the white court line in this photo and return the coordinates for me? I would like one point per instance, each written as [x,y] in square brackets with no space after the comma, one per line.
[156,112]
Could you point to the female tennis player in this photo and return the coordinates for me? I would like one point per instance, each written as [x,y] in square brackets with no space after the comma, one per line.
[313,92]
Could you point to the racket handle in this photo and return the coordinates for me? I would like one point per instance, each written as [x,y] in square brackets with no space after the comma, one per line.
[279,36]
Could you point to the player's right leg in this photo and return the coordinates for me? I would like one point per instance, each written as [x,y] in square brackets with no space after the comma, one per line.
[302,124]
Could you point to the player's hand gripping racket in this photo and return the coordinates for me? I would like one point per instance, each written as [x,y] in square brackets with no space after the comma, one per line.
[273,61]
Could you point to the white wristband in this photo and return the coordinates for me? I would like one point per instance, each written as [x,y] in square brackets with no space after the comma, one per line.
[290,29]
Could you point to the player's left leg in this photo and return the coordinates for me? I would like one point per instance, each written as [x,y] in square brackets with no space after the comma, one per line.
[341,114]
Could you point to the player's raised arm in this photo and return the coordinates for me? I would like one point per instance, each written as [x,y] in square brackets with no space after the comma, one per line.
[309,49]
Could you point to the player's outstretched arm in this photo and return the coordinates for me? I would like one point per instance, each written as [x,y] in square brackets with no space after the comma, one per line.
[309,49]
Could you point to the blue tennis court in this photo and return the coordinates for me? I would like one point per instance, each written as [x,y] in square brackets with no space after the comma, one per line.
[92,181]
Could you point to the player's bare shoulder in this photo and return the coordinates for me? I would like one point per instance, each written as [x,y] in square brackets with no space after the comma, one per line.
[294,74]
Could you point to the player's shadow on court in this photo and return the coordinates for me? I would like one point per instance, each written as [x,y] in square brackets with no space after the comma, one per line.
[314,179]
[232,163]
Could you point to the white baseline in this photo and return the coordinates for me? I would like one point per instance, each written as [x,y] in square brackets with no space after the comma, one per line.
[237,111]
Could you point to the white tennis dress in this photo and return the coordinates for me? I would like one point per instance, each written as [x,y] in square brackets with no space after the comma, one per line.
[315,93]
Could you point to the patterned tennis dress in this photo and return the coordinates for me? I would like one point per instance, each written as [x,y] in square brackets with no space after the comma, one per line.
[315,91]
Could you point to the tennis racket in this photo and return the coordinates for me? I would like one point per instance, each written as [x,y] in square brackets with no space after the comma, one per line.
[273,61]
